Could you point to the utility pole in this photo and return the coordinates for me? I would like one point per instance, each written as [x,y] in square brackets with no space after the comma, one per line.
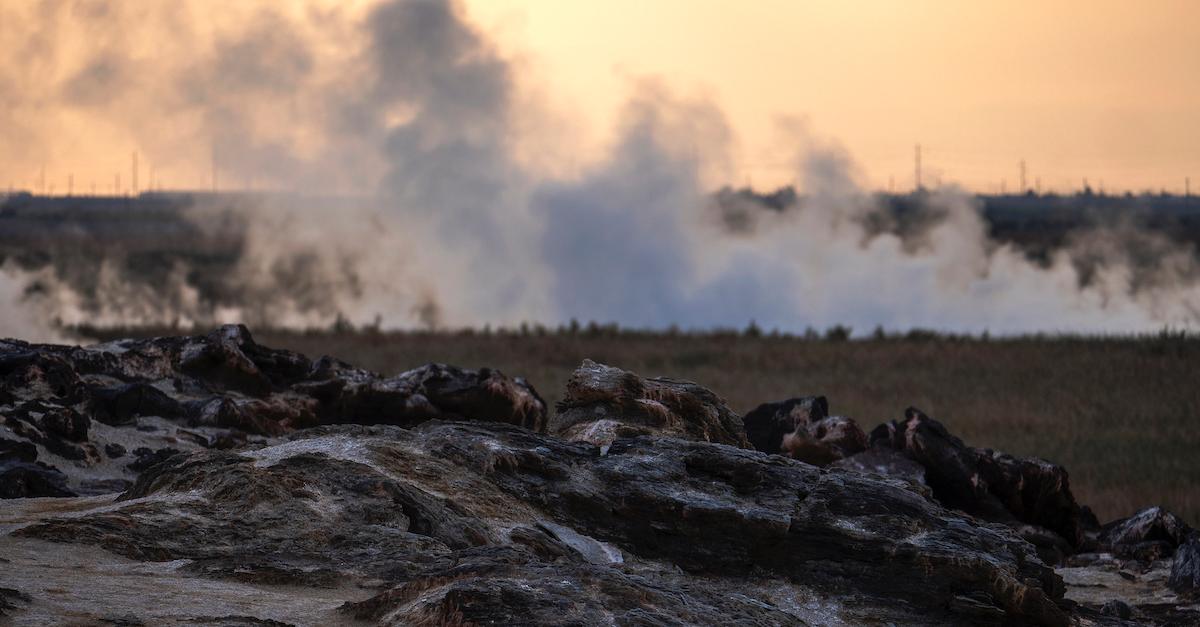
[1023,186]
[133,190]
[1002,182]
[42,180]
[1187,187]
[1037,183]
[917,167]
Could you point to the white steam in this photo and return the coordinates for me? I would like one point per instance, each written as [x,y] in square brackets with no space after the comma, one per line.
[410,101]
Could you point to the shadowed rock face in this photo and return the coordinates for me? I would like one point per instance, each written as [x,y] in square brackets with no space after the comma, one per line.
[603,403]
[82,409]
[986,483]
[489,522]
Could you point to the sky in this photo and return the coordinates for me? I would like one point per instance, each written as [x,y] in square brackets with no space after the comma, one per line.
[1101,90]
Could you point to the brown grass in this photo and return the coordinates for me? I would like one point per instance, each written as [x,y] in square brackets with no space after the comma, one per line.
[1122,414]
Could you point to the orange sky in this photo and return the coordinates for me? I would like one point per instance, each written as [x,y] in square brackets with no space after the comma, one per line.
[1103,89]
[1099,89]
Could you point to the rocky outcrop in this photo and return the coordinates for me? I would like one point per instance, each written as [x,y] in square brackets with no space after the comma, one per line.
[1150,534]
[1031,494]
[603,403]
[82,409]
[802,428]
[479,523]
[443,502]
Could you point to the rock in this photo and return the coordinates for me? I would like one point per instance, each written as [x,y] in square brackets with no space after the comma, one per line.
[1152,533]
[603,403]
[1118,609]
[884,460]
[220,390]
[425,393]
[12,450]
[146,458]
[825,441]
[66,423]
[1185,567]
[22,480]
[767,424]
[488,522]
[120,405]
[986,483]
[11,599]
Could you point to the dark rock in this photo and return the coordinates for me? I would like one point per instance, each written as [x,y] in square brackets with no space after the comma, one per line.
[1152,533]
[1185,567]
[11,599]
[12,450]
[825,441]
[20,480]
[986,483]
[66,423]
[767,424]
[220,359]
[884,460]
[491,522]
[146,458]
[122,404]
[603,403]
[1117,608]
[425,393]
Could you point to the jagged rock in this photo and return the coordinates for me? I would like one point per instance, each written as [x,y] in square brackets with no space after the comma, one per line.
[20,480]
[220,390]
[603,403]
[480,522]
[767,424]
[1152,533]
[1185,567]
[121,405]
[802,428]
[431,391]
[983,482]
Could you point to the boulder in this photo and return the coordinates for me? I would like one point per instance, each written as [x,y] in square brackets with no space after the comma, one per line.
[1150,534]
[603,403]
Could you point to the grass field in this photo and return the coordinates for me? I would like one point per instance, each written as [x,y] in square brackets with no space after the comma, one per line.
[1122,414]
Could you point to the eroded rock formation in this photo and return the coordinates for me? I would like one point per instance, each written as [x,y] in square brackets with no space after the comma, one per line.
[224,482]
[603,403]
[97,416]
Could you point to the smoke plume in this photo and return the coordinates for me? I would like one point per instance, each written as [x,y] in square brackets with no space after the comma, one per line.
[393,143]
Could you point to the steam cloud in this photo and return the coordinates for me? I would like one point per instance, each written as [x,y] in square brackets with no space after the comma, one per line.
[409,100]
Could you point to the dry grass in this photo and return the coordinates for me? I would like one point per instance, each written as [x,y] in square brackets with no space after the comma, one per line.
[1122,414]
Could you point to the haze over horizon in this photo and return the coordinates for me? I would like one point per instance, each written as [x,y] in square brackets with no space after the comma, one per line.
[548,161]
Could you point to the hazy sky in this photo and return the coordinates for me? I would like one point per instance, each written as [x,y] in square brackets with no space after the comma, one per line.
[1104,89]
[1099,89]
